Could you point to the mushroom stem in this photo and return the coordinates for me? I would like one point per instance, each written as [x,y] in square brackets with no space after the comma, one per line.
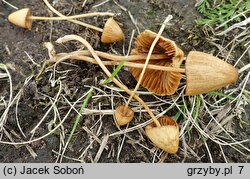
[127,63]
[168,18]
[120,57]
[99,61]
[72,17]
[72,20]
[131,57]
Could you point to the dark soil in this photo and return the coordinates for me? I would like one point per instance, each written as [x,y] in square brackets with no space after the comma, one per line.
[15,41]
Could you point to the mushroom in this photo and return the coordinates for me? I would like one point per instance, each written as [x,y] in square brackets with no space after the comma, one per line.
[205,73]
[110,34]
[21,18]
[166,136]
[123,116]
[159,82]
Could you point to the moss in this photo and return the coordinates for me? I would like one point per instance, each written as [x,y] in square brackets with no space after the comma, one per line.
[222,12]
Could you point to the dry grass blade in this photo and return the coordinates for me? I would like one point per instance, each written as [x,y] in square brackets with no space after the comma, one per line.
[102,147]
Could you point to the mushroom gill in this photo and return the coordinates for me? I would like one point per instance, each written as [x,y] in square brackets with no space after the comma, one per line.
[159,82]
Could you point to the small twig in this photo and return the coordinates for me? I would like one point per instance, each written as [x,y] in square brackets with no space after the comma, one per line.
[77,120]
[102,147]
[237,25]
[72,17]
[209,153]
[84,2]
[224,23]
[100,4]
[134,22]
[244,68]
[32,59]
[14,7]
[242,55]
[74,21]
[120,6]
[48,111]
[5,113]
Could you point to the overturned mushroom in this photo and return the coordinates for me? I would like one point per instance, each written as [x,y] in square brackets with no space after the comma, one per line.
[122,116]
[166,136]
[204,72]
[160,82]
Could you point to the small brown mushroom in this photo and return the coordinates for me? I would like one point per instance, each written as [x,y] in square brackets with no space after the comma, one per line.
[166,136]
[205,72]
[21,18]
[123,115]
[111,32]
[159,82]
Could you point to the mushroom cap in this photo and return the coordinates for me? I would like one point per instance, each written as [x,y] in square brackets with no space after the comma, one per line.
[205,72]
[111,32]
[166,137]
[159,82]
[123,116]
[20,18]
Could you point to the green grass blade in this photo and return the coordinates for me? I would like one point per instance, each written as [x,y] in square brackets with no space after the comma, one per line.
[78,117]
[221,94]
[2,65]
[177,115]
[117,69]
[197,108]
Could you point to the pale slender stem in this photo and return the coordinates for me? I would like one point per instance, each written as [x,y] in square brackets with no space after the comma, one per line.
[129,64]
[71,20]
[169,17]
[99,61]
[121,58]
[72,17]
[131,57]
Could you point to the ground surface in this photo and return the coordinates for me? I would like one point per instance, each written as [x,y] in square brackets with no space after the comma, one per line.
[16,45]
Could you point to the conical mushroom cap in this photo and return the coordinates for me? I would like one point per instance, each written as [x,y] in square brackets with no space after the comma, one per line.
[165,137]
[205,73]
[111,32]
[159,82]
[20,18]
[123,116]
